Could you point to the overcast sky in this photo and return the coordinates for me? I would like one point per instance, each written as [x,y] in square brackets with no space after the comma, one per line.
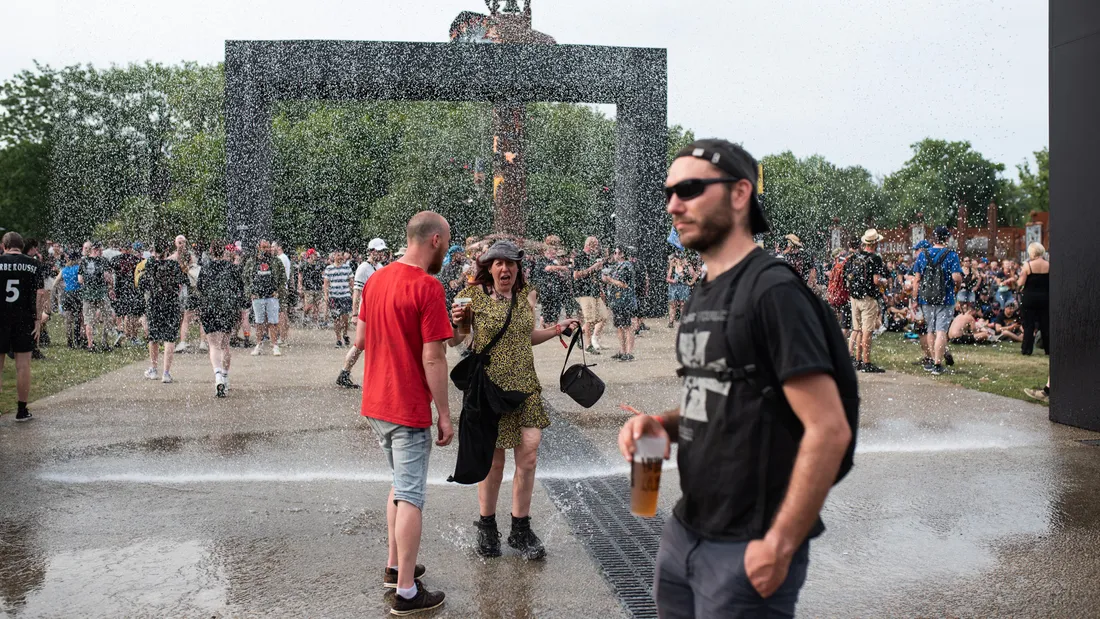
[857,81]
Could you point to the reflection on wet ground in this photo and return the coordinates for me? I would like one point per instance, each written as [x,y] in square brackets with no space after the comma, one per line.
[961,504]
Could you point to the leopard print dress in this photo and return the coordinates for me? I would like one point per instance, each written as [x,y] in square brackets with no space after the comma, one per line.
[512,360]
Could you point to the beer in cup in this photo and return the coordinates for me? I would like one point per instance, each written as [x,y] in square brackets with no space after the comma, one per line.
[645,475]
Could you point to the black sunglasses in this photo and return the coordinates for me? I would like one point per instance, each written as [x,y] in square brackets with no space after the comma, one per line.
[694,187]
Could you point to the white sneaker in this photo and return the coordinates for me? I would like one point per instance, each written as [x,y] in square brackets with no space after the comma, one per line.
[219,385]
[182,346]
[257,350]
[151,373]
[225,382]
[596,343]
[166,379]
[203,347]
[275,351]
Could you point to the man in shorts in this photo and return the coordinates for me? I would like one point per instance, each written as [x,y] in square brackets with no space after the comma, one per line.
[375,260]
[266,283]
[587,272]
[23,302]
[129,304]
[403,321]
[95,280]
[337,290]
[865,272]
[938,261]
[290,296]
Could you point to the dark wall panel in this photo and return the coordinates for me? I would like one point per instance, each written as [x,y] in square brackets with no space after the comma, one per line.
[1075,211]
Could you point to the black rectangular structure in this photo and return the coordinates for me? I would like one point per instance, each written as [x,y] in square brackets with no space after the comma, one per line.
[1075,211]
[260,73]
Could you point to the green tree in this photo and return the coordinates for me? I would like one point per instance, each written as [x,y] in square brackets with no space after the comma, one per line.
[1035,186]
[24,188]
[940,177]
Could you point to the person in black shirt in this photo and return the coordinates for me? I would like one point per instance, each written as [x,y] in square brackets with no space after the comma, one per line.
[221,290]
[865,273]
[310,282]
[587,271]
[22,305]
[162,279]
[736,547]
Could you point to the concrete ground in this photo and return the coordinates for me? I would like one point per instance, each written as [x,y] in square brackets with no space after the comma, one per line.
[126,497]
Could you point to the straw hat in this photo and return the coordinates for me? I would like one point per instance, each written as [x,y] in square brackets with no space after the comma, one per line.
[870,237]
[797,242]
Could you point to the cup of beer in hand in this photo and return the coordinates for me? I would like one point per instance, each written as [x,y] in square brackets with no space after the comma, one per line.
[645,475]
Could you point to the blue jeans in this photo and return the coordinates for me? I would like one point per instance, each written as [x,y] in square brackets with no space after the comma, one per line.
[265,311]
[705,579]
[407,451]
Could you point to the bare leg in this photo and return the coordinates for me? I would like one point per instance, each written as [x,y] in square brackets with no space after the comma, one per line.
[22,375]
[867,337]
[489,490]
[169,352]
[940,349]
[154,354]
[407,527]
[629,341]
[351,358]
[226,352]
[214,343]
[622,341]
[523,485]
[391,526]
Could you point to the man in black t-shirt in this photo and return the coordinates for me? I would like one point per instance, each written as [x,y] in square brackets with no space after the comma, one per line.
[737,544]
[587,273]
[865,273]
[22,305]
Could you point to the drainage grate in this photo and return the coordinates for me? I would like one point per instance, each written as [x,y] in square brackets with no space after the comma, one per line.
[1092,442]
[624,545]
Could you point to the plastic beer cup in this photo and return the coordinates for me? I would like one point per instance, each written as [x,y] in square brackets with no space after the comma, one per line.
[645,475]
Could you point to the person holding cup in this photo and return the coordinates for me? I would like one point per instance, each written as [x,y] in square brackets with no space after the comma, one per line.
[479,313]
[755,461]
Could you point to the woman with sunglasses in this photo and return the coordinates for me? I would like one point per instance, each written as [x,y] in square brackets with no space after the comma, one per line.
[480,311]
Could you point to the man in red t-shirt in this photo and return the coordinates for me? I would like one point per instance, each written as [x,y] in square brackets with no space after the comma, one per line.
[403,329]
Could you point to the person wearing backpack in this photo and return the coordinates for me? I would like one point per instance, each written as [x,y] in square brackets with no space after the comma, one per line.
[937,273]
[865,272]
[221,291]
[768,412]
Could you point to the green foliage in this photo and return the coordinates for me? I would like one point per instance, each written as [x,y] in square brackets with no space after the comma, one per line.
[939,178]
[139,152]
[24,188]
[805,196]
[1035,187]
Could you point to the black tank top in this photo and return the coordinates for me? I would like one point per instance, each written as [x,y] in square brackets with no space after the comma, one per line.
[1036,288]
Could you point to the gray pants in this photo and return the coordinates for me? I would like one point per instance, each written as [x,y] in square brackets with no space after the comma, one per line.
[706,579]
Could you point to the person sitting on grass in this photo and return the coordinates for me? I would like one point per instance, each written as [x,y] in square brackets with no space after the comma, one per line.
[1008,325]
[897,313]
[965,329]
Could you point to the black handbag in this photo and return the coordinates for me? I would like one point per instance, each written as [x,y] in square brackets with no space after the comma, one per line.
[579,382]
[483,403]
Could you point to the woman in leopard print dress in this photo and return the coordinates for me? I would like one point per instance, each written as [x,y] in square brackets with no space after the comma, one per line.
[512,367]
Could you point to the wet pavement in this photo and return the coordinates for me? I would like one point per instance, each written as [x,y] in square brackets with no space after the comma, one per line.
[126,497]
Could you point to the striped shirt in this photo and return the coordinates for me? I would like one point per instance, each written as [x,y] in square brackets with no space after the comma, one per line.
[339,281]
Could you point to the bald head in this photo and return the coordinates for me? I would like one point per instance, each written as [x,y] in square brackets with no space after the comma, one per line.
[425,225]
[428,235]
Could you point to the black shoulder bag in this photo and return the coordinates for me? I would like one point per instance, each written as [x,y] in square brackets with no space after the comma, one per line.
[483,403]
[579,382]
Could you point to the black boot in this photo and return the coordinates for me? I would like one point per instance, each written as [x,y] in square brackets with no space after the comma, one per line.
[524,539]
[488,537]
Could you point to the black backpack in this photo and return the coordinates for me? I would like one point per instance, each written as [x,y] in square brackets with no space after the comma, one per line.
[933,288]
[857,274]
[752,368]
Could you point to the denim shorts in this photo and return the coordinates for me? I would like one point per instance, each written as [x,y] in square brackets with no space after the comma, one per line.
[938,317]
[407,450]
[266,311]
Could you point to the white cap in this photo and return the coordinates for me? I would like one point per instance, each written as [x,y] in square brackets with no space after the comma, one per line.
[376,244]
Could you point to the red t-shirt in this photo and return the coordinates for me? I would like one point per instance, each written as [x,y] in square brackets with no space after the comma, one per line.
[402,308]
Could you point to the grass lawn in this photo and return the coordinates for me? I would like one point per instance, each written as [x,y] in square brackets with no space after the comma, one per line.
[64,367]
[996,368]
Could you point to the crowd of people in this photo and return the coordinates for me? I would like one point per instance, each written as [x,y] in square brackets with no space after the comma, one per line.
[498,297]
[940,298]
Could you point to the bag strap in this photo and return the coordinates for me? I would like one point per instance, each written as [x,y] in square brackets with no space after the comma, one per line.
[500,334]
[577,332]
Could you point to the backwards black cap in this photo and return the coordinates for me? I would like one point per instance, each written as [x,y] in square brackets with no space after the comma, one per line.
[737,162]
